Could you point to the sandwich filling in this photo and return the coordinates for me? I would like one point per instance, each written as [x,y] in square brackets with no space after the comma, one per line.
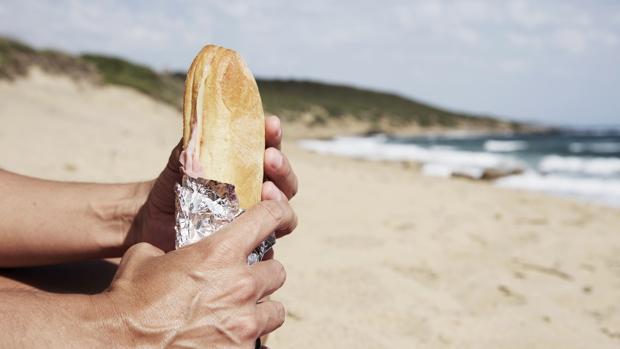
[190,157]
[190,161]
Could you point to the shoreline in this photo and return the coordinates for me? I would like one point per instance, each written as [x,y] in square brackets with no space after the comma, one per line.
[519,161]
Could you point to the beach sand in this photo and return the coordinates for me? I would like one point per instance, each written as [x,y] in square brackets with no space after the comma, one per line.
[383,257]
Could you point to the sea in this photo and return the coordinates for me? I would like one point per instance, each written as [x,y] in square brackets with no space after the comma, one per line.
[580,164]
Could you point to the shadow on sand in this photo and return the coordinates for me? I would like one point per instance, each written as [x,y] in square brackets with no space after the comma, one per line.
[87,277]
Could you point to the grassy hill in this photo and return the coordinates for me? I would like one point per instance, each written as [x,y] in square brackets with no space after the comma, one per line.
[292,97]
[315,103]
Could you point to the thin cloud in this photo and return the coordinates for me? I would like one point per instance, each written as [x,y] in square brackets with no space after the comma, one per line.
[447,52]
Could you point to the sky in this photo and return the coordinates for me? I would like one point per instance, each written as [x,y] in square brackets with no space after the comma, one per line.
[553,62]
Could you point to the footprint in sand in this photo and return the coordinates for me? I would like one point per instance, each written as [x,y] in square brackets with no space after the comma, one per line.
[511,295]
[355,242]
[68,167]
[421,274]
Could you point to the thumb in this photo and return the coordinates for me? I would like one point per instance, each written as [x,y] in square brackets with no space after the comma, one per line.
[162,194]
[174,161]
[135,255]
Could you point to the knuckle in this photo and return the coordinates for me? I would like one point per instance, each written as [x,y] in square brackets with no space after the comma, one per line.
[246,286]
[280,312]
[290,225]
[215,248]
[220,248]
[279,271]
[274,209]
[245,326]
[173,161]
[248,327]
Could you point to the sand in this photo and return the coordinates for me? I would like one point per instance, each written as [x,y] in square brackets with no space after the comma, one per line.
[383,257]
[56,128]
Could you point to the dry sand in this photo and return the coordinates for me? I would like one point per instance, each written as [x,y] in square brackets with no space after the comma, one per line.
[383,257]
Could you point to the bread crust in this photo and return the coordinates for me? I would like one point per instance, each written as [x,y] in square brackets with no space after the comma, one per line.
[222,109]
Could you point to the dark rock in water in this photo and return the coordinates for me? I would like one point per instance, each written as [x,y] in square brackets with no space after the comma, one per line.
[494,173]
[487,174]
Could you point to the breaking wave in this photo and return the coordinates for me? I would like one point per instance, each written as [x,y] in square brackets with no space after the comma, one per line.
[594,166]
[594,147]
[439,161]
[599,190]
[497,146]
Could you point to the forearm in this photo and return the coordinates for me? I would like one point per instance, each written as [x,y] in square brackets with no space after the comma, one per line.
[43,222]
[33,319]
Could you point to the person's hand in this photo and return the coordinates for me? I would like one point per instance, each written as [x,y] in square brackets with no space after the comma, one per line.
[154,222]
[203,295]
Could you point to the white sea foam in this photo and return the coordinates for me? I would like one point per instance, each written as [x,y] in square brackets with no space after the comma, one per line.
[499,146]
[439,162]
[594,166]
[600,190]
[594,147]
[458,134]
[450,170]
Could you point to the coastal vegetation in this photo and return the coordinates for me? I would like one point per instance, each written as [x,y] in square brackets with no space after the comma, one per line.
[315,103]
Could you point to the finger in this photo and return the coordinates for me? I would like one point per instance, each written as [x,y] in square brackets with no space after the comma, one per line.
[271,315]
[269,254]
[142,251]
[269,275]
[271,192]
[273,132]
[162,196]
[279,171]
[256,224]
[174,161]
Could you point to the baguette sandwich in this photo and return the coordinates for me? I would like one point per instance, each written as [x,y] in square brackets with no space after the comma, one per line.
[223,133]
[224,123]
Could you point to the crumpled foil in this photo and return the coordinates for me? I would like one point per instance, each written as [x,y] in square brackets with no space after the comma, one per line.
[203,206]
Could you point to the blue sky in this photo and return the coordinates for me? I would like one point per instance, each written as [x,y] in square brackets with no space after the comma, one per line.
[556,62]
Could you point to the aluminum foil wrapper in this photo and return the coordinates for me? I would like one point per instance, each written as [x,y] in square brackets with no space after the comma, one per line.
[203,206]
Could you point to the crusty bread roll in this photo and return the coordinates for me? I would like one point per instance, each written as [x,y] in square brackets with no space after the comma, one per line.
[224,123]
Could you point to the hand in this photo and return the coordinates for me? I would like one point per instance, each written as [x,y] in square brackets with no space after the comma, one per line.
[154,222]
[203,295]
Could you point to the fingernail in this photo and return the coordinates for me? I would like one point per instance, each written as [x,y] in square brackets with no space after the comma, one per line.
[277,159]
[279,195]
[278,125]
[276,194]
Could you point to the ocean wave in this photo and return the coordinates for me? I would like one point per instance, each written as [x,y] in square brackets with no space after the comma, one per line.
[438,162]
[497,146]
[594,147]
[442,147]
[600,190]
[594,166]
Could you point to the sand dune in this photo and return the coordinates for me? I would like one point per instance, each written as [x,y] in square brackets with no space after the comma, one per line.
[383,257]
[57,128]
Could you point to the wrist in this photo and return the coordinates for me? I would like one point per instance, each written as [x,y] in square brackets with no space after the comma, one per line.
[105,321]
[39,319]
[119,218]
[116,320]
